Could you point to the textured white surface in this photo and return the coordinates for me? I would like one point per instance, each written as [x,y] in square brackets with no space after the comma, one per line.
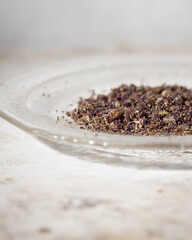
[48,195]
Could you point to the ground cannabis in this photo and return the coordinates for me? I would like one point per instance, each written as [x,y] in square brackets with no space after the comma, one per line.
[137,110]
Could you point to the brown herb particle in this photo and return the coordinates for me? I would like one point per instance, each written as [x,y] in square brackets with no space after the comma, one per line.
[137,110]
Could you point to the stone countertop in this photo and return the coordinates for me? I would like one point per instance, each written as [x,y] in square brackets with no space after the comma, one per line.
[48,195]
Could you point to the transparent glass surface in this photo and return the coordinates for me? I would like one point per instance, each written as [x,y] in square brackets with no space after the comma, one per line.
[35,100]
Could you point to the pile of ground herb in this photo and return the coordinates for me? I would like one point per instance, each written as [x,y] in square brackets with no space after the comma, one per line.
[137,110]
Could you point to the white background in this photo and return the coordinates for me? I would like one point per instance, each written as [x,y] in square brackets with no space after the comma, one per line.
[67,24]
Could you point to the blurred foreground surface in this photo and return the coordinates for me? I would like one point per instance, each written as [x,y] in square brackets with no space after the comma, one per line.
[48,195]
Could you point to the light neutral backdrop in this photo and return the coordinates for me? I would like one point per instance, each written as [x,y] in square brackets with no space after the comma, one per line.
[67,24]
[49,195]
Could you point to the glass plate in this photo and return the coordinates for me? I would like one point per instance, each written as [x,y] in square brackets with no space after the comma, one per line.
[35,100]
